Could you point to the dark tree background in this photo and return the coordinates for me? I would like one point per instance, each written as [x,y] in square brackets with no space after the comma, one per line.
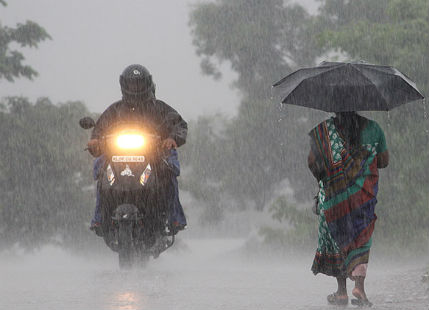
[261,41]
[45,187]
[46,194]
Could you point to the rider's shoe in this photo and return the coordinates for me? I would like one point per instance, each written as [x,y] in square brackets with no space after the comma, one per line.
[176,227]
[179,227]
[96,227]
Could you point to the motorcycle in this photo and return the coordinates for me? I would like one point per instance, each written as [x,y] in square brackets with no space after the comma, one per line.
[133,195]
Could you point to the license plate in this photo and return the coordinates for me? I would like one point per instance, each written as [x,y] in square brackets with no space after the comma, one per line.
[128,159]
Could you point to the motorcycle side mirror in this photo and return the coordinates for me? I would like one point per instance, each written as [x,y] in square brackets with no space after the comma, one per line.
[87,122]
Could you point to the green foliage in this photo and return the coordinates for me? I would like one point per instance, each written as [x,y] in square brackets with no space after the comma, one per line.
[12,64]
[301,231]
[403,213]
[44,177]
[261,41]
[203,157]
[397,35]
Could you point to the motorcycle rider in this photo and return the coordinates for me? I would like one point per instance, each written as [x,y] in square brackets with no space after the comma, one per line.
[139,104]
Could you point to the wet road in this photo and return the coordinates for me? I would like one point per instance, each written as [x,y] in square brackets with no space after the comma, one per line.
[200,274]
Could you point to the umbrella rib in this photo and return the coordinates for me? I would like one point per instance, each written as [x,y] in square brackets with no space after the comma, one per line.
[395,73]
[304,70]
[372,83]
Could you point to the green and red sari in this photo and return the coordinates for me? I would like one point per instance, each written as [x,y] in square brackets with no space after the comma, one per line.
[347,200]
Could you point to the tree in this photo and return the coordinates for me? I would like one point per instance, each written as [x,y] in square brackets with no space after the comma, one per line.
[12,64]
[45,183]
[262,41]
[204,157]
[391,32]
[43,172]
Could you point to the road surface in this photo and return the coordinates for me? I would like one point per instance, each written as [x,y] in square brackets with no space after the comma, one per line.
[198,274]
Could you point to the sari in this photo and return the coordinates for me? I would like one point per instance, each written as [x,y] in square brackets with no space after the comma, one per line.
[346,201]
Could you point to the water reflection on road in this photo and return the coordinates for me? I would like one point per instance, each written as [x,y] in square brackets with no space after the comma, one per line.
[201,274]
[127,301]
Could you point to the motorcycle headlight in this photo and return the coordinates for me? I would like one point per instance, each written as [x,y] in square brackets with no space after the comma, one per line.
[130,141]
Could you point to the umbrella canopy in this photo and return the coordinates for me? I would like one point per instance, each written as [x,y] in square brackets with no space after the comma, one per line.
[342,87]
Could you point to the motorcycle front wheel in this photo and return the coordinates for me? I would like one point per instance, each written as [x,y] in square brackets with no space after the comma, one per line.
[125,245]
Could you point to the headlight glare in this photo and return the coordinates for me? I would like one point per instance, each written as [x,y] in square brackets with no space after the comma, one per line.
[130,141]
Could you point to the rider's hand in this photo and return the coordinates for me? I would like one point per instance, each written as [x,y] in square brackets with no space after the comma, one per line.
[94,147]
[169,144]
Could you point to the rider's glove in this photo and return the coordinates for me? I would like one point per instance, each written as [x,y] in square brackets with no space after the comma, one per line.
[169,144]
[94,147]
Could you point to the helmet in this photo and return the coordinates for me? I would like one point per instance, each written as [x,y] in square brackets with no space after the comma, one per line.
[136,81]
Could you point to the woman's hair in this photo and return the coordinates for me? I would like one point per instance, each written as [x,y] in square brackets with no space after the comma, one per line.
[350,125]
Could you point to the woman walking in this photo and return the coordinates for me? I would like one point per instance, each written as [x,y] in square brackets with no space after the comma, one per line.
[346,152]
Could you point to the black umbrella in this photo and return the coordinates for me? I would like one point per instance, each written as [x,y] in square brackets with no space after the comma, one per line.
[341,87]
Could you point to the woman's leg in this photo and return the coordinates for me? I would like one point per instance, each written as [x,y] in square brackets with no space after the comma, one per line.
[359,292]
[359,289]
[340,296]
[358,275]
[342,287]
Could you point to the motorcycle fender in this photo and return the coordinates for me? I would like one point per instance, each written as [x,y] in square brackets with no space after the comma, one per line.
[125,212]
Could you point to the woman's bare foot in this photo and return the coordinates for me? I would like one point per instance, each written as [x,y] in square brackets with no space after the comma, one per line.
[359,294]
[361,298]
[338,299]
[359,290]
[340,296]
